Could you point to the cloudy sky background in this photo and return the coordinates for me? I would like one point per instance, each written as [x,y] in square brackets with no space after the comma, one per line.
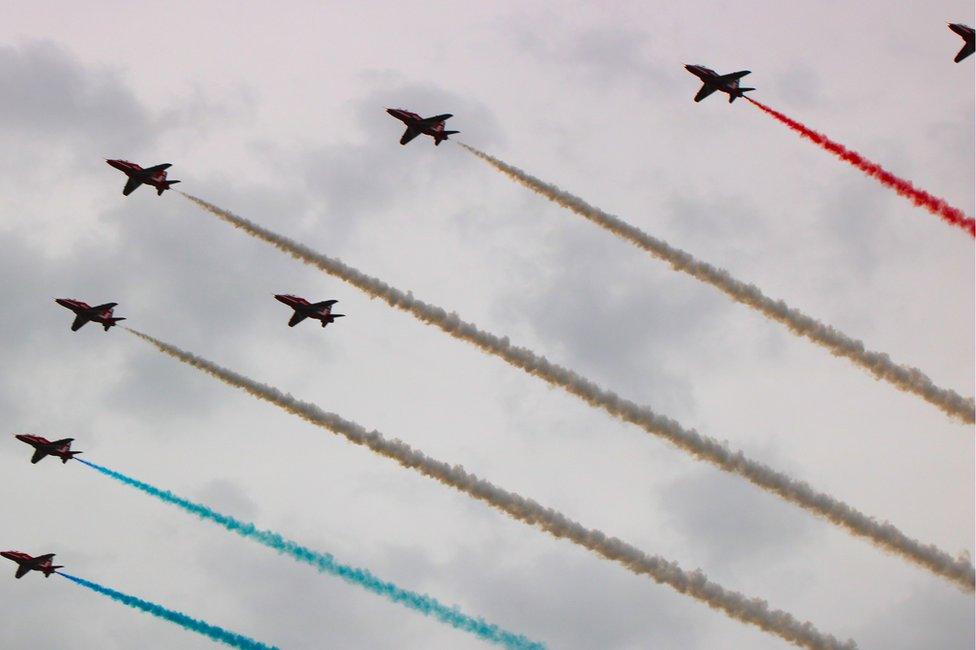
[277,114]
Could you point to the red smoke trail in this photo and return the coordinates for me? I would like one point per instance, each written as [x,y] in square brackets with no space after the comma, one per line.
[921,198]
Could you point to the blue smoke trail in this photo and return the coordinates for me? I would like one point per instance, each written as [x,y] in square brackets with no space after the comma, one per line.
[212,631]
[325,563]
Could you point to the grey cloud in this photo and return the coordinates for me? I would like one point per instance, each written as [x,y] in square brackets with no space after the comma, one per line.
[733,524]
[568,609]
[733,219]
[224,496]
[356,181]
[294,606]
[193,281]
[799,85]
[931,616]
[615,319]
[49,95]
[602,56]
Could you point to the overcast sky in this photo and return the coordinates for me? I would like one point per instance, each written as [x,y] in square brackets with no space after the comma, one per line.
[277,114]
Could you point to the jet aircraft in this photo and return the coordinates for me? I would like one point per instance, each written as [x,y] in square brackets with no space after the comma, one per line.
[967,35]
[84,313]
[712,81]
[155,176]
[44,447]
[27,563]
[432,126]
[321,311]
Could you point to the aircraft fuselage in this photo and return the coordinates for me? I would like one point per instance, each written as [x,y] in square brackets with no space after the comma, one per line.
[84,313]
[26,563]
[154,176]
[44,447]
[713,81]
[416,125]
[320,311]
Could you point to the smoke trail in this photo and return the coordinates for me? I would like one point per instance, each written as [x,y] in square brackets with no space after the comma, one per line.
[212,631]
[921,198]
[325,563]
[911,380]
[735,605]
[884,535]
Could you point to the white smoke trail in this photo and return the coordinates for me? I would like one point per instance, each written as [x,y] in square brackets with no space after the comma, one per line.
[911,380]
[884,535]
[754,611]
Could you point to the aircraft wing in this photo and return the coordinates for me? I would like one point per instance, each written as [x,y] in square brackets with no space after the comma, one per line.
[324,303]
[108,305]
[437,118]
[130,186]
[409,135]
[957,28]
[296,318]
[22,570]
[41,559]
[79,321]
[705,91]
[966,50]
[157,168]
[63,441]
[38,455]
[733,76]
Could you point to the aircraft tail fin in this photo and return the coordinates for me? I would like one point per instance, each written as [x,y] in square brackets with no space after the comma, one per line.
[741,93]
[443,136]
[111,322]
[331,319]
[166,185]
[71,454]
[52,569]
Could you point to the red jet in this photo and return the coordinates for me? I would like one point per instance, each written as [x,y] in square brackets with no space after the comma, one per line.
[712,81]
[155,176]
[27,563]
[321,311]
[44,447]
[432,126]
[84,313]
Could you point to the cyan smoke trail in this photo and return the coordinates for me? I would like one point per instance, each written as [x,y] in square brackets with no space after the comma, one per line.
[212,631]
[325,563]
[695,584]
[882,533]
